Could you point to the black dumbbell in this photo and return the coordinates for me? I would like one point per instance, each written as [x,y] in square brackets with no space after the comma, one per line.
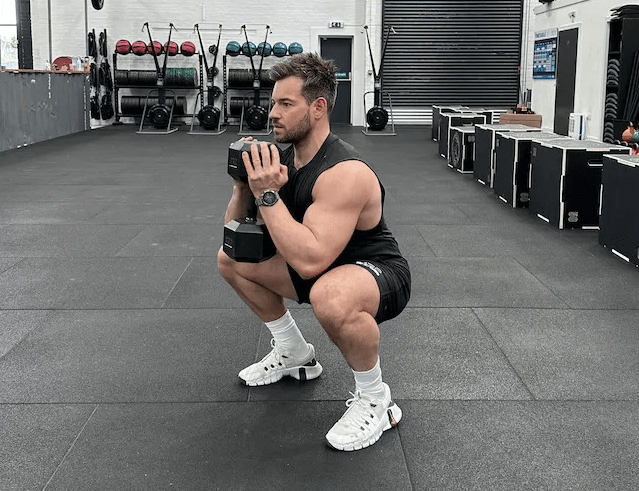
[246,240]
[236,167]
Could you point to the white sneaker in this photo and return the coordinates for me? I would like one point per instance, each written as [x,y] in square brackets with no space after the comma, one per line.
[276,365]
[364,421]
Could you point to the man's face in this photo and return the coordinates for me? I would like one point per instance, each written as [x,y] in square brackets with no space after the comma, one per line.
[290,113]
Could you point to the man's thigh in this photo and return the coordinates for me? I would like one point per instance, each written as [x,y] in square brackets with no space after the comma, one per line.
[272,274]
[351,285]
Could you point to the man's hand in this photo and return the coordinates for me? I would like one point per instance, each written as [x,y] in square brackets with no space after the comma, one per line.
[265,173]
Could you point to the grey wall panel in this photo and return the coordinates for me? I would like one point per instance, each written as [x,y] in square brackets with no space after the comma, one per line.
[453,52]
[38,106]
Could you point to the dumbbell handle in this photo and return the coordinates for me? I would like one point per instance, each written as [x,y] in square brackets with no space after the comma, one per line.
[251,210]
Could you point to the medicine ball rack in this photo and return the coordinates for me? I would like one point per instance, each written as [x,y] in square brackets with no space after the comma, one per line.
[377,116]
[147,80]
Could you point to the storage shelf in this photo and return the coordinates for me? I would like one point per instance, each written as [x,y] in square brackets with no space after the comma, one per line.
[156,87]
[128,115]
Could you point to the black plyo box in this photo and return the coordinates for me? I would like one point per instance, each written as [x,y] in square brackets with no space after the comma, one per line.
[483,167]
[565,181]
[448,120]
[492,114]
[437,111]
[511,165]
[462,148]
[619,209]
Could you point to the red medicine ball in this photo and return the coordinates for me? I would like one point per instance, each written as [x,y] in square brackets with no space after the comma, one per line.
[187,48]
[157,46]
[172,48]
[123,47]
[139,48]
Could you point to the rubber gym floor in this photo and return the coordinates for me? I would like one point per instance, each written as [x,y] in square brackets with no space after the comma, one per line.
[515,362]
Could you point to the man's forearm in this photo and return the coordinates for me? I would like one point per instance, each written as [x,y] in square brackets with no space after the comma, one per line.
[294,241]
[237,207]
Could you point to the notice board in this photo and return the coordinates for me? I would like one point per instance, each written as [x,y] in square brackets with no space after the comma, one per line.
[545,55]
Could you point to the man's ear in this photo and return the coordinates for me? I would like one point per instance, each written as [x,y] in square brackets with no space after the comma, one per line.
[320,106]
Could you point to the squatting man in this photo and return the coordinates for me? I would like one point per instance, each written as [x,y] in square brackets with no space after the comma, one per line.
[323,207]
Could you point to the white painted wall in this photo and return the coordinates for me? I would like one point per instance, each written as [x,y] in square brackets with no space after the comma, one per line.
[591,17]
[304,22]
[527,46]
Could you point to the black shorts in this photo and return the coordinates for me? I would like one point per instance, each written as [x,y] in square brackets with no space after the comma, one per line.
[393,279]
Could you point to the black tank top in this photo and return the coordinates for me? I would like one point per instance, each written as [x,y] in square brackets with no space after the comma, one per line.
[376,243]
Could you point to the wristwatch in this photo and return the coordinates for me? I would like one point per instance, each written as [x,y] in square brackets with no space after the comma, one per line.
[269,198]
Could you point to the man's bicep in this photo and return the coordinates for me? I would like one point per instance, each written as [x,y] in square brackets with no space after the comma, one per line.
[332,222]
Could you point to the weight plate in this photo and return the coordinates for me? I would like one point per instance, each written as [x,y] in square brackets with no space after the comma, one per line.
[209,117]
[256,117]
[377,118]
[455,151]
[159,115]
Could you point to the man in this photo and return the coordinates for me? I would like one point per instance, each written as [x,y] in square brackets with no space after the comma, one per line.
[323,208]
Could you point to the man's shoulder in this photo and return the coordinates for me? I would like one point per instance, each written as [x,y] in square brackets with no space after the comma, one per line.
[339,150]
[338,142]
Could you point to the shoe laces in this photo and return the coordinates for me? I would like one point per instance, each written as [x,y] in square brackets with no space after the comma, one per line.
[274,358]
[360,411]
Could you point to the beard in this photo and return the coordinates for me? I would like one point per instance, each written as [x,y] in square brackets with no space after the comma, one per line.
[297,133]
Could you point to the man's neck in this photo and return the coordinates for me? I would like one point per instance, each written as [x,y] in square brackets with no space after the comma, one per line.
[308,148]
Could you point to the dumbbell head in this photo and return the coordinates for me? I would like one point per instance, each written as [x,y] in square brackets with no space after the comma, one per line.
[236,167]
[247,242]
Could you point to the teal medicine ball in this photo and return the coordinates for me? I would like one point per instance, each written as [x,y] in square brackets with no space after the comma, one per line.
[295,49]
[248,49]
[233,48]
[279,49]
[264,49]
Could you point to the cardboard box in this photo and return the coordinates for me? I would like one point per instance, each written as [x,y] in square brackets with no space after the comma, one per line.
[533,120]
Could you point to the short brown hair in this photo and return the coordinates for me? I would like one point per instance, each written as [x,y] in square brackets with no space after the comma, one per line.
[317,73]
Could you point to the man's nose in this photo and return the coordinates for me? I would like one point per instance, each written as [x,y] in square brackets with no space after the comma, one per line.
[273,113]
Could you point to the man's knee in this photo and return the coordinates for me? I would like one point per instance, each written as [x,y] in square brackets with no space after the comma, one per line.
[329,304]
[225,265]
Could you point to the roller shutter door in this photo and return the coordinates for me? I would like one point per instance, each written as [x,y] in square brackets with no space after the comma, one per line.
[451,52]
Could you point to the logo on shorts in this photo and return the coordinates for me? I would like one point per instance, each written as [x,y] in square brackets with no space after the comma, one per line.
[370,266]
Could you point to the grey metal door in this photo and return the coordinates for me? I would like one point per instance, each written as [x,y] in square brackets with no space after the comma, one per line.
[340,51]
[565,79]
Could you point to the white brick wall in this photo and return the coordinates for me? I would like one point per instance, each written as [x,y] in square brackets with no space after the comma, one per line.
[304,22]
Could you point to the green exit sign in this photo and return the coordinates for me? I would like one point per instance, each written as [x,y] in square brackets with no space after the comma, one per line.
[336,25]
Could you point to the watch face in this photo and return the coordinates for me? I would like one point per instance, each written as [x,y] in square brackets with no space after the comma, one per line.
[269,198]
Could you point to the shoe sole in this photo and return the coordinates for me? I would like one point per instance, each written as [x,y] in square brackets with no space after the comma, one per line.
[393,417]
[303,373]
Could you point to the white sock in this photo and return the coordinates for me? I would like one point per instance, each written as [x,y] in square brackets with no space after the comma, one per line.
[370,382]
[287,335]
